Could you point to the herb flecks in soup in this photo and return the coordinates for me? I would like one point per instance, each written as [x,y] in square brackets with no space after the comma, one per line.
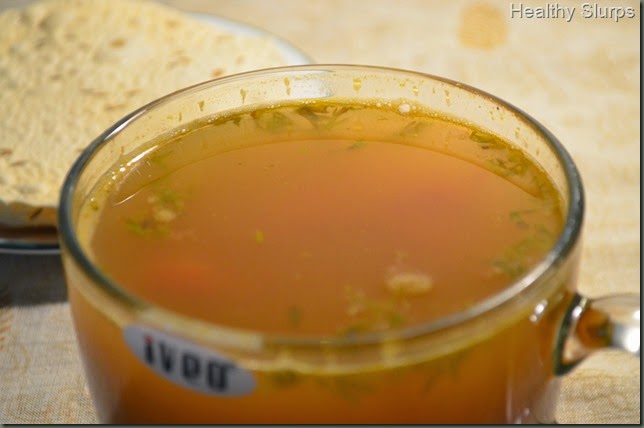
[329,219]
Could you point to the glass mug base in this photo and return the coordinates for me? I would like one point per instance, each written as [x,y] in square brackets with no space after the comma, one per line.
[503,376]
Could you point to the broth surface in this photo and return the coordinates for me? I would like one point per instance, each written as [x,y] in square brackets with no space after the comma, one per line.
[323,219]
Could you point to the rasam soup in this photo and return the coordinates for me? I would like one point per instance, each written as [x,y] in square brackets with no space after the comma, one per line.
[322,220]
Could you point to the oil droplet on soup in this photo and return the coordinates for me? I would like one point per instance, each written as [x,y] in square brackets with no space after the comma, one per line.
[324,218]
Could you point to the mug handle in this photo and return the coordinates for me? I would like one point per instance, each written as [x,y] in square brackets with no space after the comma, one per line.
[590,324]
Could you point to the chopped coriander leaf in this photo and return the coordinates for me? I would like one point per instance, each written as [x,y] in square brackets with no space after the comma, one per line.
[169,198]
[137,227]
[294,316]
[146,227]
[413,129]
[396,319]
[159,157]
[236,120]
[516,217]
[514,261]
[357,145]
[259,237]
[323,117]
[271,120]
[512,268]
[486,141]
[518,164]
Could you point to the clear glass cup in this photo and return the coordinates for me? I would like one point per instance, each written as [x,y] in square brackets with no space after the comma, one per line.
[500,361]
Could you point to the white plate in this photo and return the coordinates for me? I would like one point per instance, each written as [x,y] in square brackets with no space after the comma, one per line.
[292,54]
[45,242]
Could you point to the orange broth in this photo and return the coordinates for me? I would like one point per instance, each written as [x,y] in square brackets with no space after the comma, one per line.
[325,220]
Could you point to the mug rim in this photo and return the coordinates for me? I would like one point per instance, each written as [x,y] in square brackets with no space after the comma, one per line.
[561,251]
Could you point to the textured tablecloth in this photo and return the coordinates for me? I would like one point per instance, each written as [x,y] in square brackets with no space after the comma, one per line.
[581,79]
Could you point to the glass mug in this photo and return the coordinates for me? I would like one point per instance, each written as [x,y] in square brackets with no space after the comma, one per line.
[500,361]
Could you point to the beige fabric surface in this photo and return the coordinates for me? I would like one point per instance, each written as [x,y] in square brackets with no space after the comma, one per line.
[581,79]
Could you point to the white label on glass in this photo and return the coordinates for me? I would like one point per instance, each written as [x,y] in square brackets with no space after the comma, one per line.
[187,364]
